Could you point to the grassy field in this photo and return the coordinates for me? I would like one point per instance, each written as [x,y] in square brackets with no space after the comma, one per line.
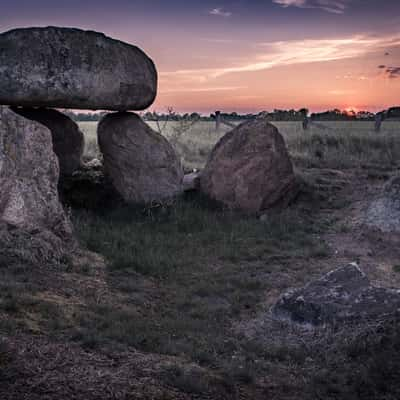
[330,144]
[174,302]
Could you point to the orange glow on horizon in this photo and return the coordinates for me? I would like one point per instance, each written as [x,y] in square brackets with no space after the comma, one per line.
[318,74]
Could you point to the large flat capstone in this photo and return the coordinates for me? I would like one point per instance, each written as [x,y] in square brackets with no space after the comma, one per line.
[343,295]
[72,68]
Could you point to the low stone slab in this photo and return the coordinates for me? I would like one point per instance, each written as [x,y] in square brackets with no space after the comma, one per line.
[342,295]
[70,68]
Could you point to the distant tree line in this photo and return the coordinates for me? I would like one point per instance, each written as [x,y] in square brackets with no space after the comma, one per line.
[275,115]
[339,115]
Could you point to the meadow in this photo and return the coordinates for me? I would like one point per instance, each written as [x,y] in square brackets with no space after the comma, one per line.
[341,144]
[173,301]
[220,272]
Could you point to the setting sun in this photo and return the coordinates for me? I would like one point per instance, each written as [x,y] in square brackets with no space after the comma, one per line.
[351,110]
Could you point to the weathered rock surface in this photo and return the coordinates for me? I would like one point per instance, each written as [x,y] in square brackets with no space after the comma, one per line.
[384,212]
[72,68]
[250,169]
[28,177]
[343,295]
[141,163]
[68,140]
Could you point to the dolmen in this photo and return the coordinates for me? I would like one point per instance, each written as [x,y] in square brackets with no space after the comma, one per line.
[42,69]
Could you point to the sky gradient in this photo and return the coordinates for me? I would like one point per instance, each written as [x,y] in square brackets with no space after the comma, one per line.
[247,56]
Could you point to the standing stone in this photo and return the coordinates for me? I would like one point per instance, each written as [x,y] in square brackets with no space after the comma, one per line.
[71,68]
[249,169]
[28,177]
[384,212]
[68,140]
[141,163]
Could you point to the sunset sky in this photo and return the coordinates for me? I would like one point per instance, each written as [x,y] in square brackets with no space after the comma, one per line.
[247,55]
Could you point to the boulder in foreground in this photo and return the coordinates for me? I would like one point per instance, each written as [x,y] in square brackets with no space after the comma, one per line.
[250,170]
[68,140]
[343,295]
[71,68]
[141,163]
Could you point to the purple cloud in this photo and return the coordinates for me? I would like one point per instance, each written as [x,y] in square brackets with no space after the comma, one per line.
[332,6]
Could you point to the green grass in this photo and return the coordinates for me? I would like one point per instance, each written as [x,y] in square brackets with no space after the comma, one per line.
[212,267]
[186,235]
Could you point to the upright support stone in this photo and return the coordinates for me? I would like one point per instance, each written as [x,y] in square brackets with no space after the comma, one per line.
[68,140]
[29,174]
[141,163]
[250,169]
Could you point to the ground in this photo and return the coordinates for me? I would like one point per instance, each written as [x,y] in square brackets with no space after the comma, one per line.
[173,302]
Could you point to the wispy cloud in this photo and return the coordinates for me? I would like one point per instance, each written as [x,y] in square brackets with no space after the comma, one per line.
[332,6]
[220,12]
[283,53]
[203,89]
